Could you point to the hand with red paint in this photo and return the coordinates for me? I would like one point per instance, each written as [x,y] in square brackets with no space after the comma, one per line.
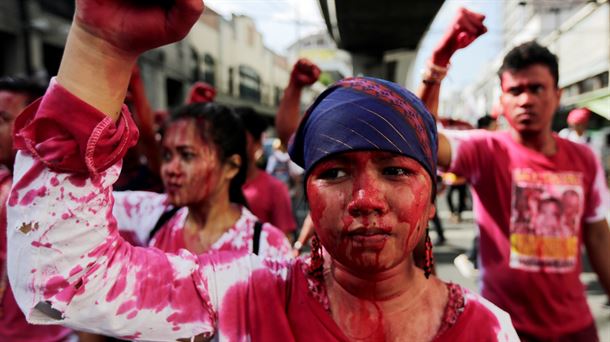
[465,28]
[201,92]
[304,73]
[107,37]
[131,27]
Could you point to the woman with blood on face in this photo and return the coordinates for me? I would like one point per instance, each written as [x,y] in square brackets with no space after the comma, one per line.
[368,148]
[203,168]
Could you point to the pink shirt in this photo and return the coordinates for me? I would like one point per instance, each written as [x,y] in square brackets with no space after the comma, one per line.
[269,200]
[13,326]
[531,211]
[137,212]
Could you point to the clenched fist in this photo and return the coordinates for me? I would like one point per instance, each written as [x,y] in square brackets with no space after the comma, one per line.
[464,29]
[134,26]
[304,73]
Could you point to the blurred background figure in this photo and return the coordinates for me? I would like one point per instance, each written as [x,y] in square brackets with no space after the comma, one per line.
[578,120]
[267,196]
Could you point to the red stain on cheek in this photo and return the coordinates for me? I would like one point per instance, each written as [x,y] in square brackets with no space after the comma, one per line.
[317,203]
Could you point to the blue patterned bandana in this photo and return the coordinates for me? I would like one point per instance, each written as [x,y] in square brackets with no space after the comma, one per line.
[366,114]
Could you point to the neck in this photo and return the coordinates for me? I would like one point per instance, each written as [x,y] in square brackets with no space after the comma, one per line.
[214,215]
[383,286]
[541,141]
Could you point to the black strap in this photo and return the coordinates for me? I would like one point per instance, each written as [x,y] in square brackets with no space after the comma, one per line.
[166,216]
[258,228]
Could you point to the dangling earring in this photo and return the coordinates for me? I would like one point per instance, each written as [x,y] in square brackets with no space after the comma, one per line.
[429,258]
[316,261]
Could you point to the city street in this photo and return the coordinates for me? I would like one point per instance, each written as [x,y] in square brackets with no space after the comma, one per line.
[459,238]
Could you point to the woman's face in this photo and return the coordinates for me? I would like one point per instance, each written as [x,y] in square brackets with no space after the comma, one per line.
[370,208]
[190,169]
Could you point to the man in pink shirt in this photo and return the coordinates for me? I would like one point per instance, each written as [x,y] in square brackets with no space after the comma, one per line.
[267,197]
[15,95]
[530,265]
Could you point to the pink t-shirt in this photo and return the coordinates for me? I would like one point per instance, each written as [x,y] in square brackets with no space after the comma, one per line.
[269,200]
[137,213]
[13,326]
[531,210]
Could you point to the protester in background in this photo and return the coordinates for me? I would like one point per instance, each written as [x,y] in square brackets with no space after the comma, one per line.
[142,163]
[371,200]
[267,197]
[578,120]
[529,272]
[304,73]
[15,94]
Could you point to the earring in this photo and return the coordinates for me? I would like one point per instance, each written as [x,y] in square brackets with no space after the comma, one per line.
[316,260]
[429,258]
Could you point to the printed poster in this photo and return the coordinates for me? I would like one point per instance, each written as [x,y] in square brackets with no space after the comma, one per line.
[545,220]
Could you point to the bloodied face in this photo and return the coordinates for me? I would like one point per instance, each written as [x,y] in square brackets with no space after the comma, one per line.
[191,169]
[530,98]
[370,208]
[11,104]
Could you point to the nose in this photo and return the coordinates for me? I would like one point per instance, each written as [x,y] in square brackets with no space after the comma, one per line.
[367,198]
[526,99]
[172,167]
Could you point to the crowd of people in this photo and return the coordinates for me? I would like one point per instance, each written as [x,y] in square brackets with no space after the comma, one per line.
[190,239]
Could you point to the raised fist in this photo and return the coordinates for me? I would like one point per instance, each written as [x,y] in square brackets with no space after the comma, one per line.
[464,29]
[201,92]
[304,73]
[134,26]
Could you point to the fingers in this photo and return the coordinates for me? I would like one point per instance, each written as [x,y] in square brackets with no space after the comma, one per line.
[305,72]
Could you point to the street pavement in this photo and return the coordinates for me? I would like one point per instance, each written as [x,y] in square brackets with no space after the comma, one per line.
[459,239]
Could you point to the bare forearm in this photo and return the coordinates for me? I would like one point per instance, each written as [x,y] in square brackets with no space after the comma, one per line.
[288,114]
[95,71]
[429,94]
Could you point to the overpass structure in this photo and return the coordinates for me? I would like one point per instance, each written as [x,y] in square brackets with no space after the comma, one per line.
[381,35]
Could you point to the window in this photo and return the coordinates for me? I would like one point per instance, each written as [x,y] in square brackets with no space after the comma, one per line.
[249,84]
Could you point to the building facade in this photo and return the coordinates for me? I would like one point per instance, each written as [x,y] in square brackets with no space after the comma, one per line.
[227,53]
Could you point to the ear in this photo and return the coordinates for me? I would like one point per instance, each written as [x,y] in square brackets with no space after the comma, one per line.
[231,166]
[431,211]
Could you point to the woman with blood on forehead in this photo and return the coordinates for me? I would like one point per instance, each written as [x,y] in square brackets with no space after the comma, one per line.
[368,147]
[203,168]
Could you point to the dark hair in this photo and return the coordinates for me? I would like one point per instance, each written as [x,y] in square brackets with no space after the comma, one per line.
[27,86]
[528,54]
[254,123]
[221,126]
[485,121]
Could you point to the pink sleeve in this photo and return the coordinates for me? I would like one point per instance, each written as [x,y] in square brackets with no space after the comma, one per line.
[465,153]
[89,143]
[68,265]
[137,213]
[599,197]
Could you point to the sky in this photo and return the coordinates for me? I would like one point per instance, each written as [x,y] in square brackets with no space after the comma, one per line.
[282,21]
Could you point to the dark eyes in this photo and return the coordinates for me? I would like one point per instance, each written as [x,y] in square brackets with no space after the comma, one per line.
[534,89]
[332,174]
[167,155]
[396,171]
[336,173]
